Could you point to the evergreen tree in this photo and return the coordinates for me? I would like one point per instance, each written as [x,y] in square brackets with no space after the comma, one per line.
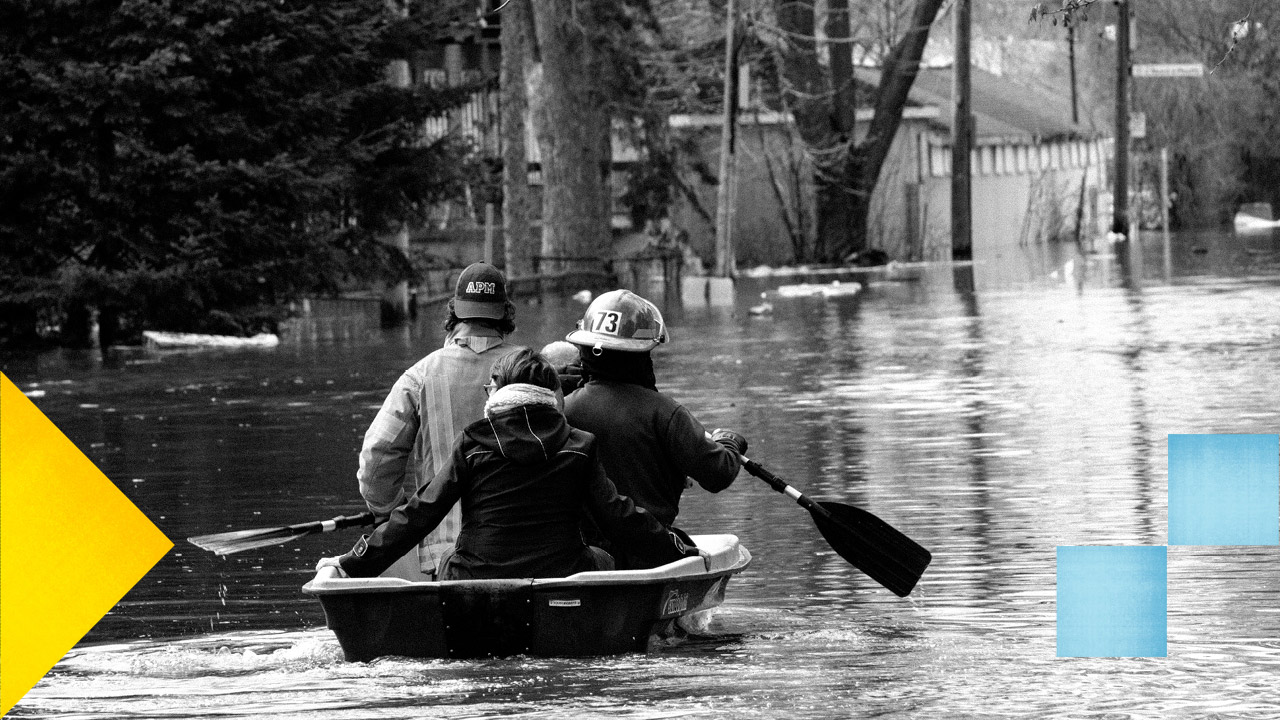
[185,164]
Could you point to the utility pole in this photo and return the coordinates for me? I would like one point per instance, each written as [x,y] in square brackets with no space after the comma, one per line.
[961,139]
[1120,203]
[725,260]
[1071,63]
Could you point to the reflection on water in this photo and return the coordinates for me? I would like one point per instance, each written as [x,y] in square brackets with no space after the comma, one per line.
[992,411]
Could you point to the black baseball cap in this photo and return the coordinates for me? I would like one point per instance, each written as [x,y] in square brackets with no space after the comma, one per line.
[481,293]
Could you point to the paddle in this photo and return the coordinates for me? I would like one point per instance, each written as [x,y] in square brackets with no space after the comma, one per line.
[867,542]
[240,540]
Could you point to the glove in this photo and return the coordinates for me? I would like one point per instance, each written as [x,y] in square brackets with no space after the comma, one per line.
[683,542]
[570,377]
[730,439]
[333,563]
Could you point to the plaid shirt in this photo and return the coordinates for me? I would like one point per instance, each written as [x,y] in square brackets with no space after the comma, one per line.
[411,437]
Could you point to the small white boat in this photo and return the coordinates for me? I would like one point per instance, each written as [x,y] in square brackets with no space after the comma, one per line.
[167,340]
[1248,223]
[1255,217]
[833,289]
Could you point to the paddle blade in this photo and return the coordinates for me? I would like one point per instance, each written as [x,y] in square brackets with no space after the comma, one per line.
[240,540]
[228,543]
[872,545]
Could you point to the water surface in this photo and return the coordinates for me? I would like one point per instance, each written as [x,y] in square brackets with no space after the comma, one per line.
[992,411]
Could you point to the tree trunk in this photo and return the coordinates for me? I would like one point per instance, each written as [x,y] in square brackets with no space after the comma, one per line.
[861,177]
[574,149]
[896,78]
[807,93]
[77,327]
[107,252]
[517,240]
[845,173]
[109,330]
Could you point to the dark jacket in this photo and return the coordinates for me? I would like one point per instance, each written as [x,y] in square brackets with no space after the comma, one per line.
[649,444]
[523,477]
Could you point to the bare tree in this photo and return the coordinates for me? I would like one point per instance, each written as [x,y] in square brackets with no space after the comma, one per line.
[822,98]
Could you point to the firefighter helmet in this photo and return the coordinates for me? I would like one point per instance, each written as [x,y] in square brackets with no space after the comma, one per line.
[620,320]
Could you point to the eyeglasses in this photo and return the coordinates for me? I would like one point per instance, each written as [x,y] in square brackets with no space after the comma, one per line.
[490,386]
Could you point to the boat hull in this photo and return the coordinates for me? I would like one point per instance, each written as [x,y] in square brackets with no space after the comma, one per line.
[593,613]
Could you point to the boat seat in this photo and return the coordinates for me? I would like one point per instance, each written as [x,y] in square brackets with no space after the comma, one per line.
[724,550]
[725,553]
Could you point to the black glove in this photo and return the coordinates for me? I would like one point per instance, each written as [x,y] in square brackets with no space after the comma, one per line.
[730,439]
[570,377]
[683,542]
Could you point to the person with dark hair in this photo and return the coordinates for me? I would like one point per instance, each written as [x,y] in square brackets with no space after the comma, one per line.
[649,442]
[523,477]
[409,440]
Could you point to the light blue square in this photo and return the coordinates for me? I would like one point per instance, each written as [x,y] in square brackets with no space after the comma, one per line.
[1113,601]
[1224,489]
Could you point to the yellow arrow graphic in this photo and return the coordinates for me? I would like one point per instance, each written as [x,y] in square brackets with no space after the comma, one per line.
[71,545]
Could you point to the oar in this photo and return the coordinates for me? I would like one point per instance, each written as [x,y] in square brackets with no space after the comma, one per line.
[867,542]
[240,540]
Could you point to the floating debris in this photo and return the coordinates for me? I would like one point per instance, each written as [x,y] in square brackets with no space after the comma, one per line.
[764,308]
[834,289]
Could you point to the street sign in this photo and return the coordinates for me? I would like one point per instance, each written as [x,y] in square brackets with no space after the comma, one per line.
[1168,70]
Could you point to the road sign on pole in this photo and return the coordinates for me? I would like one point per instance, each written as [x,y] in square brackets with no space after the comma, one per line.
[1168,70]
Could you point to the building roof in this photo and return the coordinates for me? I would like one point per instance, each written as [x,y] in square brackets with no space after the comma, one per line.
[1004,109]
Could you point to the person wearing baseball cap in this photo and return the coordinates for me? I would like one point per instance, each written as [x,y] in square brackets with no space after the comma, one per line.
[413,433]
[481,293]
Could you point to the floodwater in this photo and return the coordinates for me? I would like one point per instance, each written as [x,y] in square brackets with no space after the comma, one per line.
[992,411]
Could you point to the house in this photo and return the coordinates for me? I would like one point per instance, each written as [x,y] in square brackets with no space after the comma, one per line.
[1033,172]
[1036,176]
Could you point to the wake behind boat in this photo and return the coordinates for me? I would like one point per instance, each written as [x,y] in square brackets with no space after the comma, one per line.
[589,613]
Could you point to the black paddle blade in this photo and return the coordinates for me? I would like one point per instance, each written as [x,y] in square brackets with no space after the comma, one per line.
[872,545]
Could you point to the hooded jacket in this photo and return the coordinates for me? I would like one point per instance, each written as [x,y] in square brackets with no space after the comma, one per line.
[523,477]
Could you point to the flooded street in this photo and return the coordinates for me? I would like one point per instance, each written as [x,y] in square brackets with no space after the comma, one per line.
[992,411]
